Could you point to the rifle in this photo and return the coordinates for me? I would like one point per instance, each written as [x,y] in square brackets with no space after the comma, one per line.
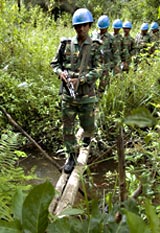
[69,85]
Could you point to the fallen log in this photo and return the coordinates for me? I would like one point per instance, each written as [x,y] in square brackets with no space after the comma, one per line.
[66,193]
[61,183]
[15,124]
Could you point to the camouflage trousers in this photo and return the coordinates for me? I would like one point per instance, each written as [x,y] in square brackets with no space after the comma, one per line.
[71,114]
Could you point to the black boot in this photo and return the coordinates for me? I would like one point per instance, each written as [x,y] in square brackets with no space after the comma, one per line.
[69,166]
[86,141]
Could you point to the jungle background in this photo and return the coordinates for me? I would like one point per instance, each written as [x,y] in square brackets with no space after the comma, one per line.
[30,32]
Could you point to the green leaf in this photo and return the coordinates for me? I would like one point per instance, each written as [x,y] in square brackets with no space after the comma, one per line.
[154,221]
[140,117]
[72,211]
[17,203]
[59,226]
[136,224]
[20,154]
[9,227]
[131,205]
[35,208]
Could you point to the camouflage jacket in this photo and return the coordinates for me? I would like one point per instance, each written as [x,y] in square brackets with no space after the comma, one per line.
[142,42]
[155,40]
[106,48]
[73,55]
[155,36]
[130,47]
[119,50]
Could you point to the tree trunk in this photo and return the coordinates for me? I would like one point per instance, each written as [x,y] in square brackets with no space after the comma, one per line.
[66,195]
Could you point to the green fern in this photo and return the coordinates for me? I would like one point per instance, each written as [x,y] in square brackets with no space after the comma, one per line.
[11,176]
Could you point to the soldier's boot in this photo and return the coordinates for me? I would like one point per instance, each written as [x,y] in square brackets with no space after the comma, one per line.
[86,141]
[69,166]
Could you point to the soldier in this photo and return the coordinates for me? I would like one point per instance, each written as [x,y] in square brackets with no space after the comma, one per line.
[142,41]
[118,46]
[129,44]
[154,31]
[81,59]
[106,49]
[143,37]
[155,36]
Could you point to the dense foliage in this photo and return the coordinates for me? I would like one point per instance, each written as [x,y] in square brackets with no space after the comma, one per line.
[125,9]
[10,173]
[74,220]
[29,93]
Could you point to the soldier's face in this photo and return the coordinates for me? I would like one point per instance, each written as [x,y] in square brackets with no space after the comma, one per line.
[103,31]
[126,30]
[154,30]
[116,30]
[82,30]
[144,32]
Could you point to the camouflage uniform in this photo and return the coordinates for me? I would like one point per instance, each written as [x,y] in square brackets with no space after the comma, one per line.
[83,105]
[119,52]
[130,47]
[142,42]
[106,57]
[155,39]
[155,36]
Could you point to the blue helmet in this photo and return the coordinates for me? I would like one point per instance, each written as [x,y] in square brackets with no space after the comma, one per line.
[81,16]
[144,26]
[117,24]
[127,24]
[103,22]
[154,25]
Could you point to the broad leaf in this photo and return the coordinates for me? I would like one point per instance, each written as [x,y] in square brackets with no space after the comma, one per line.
[154,221]
[17,204]
[59,226]
[136,223]
[140,117]
[9,227]
[35,208]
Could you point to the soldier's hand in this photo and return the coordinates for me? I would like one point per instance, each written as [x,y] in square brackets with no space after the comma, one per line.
[125,66]
[75,82]
[63,76]
[117,70]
